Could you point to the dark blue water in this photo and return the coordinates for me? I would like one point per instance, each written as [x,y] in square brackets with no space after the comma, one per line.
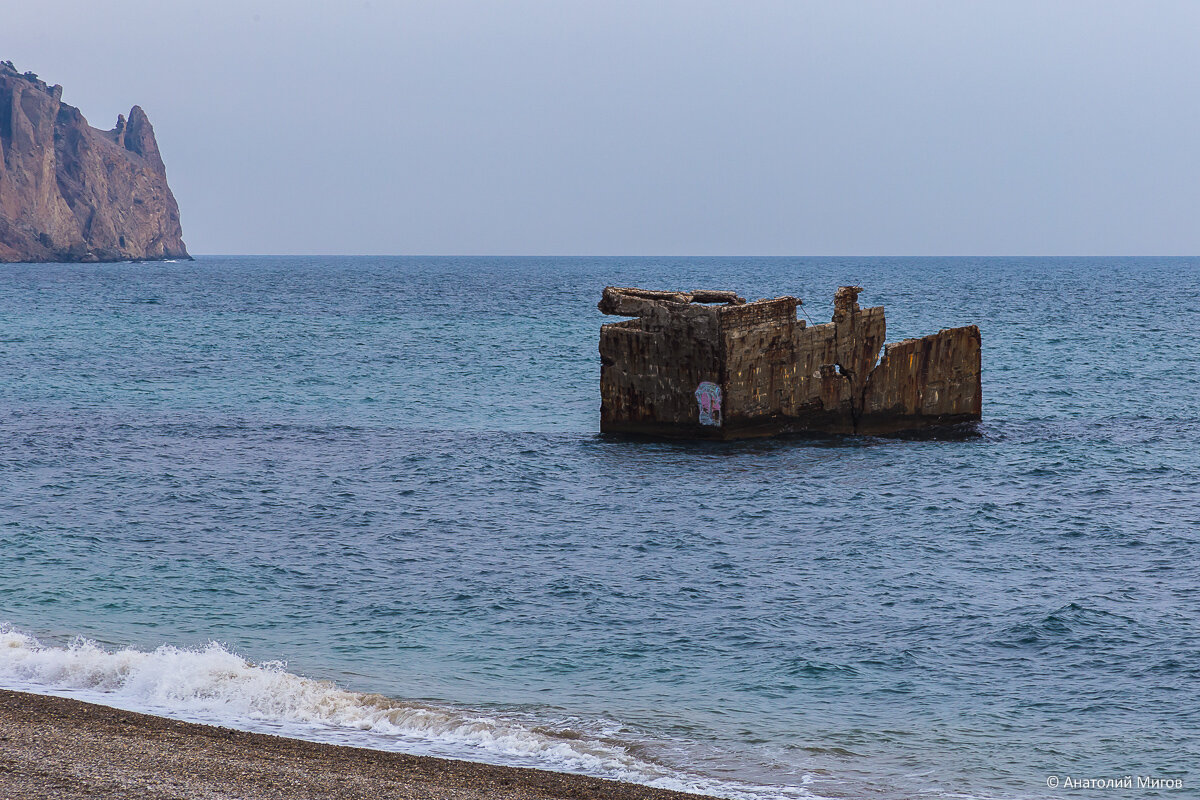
[387,472]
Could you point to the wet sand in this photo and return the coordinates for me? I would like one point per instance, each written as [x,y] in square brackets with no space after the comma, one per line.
[51,747]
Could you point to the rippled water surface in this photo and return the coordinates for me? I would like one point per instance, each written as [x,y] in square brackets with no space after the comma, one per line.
[386,473]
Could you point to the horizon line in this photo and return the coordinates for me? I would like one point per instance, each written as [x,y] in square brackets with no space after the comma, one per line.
[692,255]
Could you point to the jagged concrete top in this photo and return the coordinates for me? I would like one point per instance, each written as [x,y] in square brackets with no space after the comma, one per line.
[631,302]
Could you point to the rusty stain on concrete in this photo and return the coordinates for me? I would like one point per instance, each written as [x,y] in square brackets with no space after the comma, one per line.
[709,365]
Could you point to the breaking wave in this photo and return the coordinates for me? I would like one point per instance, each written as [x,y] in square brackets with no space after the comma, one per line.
[213,685]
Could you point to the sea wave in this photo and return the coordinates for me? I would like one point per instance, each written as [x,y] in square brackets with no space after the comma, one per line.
[214,685]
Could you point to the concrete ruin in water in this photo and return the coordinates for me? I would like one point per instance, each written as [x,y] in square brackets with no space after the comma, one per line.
[709,365]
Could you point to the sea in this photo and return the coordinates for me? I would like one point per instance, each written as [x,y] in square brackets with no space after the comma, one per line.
[365,500]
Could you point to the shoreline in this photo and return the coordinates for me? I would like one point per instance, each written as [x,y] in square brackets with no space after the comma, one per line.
[65,748]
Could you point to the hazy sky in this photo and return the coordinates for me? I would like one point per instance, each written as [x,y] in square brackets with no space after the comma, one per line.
[610,127]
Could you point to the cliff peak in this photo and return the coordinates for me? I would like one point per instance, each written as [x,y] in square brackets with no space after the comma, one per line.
[139,138]
[71,192]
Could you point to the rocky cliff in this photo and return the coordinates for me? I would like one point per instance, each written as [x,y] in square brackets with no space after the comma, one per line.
[71,192]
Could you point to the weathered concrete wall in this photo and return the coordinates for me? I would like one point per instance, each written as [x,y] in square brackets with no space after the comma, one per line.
[780,372]
[759,359]
[932,380]
[650,368]
[752,369]
[834,361]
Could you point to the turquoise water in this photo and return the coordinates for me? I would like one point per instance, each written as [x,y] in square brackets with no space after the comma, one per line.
[386,473]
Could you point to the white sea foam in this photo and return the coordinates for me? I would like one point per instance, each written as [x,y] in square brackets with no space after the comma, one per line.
[216,686]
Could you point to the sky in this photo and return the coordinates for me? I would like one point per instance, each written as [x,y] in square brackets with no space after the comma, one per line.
[650,127]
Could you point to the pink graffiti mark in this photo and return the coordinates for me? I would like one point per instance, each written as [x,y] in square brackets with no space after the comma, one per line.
[708,397]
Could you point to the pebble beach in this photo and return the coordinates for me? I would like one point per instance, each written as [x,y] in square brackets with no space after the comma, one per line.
[54,747]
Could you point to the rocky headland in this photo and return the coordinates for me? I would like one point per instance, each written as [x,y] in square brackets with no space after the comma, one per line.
[71,192]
